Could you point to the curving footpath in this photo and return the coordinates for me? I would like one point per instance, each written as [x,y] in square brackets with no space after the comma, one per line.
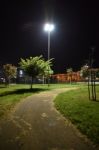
[36,125]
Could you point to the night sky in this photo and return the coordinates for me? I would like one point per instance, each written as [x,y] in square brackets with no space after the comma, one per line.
[76,31]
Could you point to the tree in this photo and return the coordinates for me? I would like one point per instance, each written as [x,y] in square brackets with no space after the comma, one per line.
[69,73]
[35,66]
[9,72]
[69,70]
[47,73]
[84,71]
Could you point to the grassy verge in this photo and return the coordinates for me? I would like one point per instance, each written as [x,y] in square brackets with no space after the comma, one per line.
[76,106]
[11,95]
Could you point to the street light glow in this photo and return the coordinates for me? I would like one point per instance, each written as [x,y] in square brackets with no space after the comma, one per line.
[48,27]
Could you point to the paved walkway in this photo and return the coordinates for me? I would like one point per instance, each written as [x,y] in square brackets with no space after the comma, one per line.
[36,125]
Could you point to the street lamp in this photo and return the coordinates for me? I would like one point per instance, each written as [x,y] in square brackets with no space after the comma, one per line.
[48,28]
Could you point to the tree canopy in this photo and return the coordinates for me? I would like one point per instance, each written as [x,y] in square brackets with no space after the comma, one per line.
[84,71]
[35,66]
[9,72]
[69,70]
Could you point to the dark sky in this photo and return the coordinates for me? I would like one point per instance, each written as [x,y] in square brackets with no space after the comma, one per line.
[76,31]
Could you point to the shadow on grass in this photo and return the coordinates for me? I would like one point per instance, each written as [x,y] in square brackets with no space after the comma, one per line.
[97,100]
[22,91]
[2,86]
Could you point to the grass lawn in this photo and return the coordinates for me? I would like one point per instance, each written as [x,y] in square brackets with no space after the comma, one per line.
[11,95]
[76,106]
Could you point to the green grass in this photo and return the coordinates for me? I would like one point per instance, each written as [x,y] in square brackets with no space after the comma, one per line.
[83,112]
[10,96]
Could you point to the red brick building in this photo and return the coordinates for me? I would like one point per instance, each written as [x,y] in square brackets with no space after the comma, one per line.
[68,77]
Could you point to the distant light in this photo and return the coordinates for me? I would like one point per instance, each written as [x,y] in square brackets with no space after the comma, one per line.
[21,72]
[86,66]
[49,27]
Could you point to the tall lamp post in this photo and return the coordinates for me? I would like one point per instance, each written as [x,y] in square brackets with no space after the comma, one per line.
[48,28]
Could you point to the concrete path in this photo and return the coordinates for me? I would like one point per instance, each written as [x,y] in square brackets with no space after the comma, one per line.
[36,125]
